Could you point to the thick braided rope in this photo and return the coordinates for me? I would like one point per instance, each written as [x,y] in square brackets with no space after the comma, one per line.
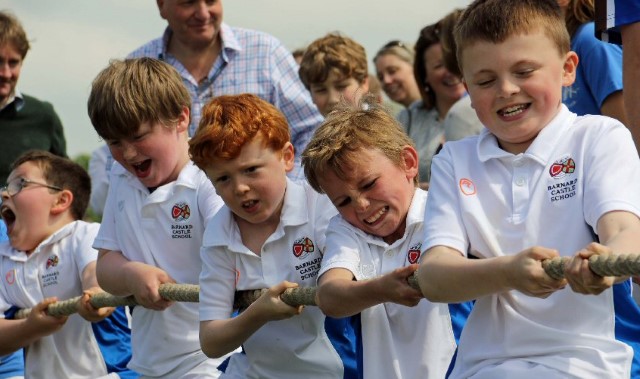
[603,265]
[169,291]
[293,296]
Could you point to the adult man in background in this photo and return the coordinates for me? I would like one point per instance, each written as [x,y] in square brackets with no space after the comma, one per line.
[216,59]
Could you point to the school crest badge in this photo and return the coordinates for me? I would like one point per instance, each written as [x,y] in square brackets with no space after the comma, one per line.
[10,277]
[303,247]
[52,261]
[413,255]
[180,211]
[561,167]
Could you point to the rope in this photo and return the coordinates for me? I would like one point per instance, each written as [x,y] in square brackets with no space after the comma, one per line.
[168,291]
[603,265]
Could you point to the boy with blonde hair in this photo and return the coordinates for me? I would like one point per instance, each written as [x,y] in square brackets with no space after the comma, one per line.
[49,257]
[535,184]
[157,205]
[368,167]
[334,68]
[269,234]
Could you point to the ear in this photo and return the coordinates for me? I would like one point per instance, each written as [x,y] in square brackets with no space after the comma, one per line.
[466,88]
[569,69]
[288,156]
[62,203]
[364,86]
[183,120]
[410,160]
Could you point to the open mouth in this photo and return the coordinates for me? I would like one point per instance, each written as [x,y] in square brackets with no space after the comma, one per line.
[513,110]
[375,217]
[142,169]
[249,204]
[7,215]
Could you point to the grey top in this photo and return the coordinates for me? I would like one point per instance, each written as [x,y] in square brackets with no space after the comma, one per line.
[427,133]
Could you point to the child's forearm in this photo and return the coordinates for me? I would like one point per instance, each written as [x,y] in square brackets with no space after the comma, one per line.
[342,297]
[219,337]
[445,276]
[16,334]
[111,274]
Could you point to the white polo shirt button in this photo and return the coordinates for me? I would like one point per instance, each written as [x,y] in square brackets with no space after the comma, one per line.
[520,181]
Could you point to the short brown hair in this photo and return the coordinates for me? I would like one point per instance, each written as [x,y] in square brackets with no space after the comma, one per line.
[11,32]
[229,122]
[131,92]
[333,52]
[347,130]
[64,173]
[497,20]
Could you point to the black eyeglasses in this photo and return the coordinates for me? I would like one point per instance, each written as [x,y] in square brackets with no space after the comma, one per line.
[15,186]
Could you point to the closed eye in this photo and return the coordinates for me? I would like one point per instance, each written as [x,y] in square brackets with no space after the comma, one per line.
[370,184]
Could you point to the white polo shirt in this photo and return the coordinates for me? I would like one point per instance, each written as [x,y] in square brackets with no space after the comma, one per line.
[489,203]
[299,346]
[398,341]
[54,268]
[164,229]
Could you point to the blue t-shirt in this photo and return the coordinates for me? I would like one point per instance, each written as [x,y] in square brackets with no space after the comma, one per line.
[12,365]
[628,322]
[3,231]
[611,15]
[598,75]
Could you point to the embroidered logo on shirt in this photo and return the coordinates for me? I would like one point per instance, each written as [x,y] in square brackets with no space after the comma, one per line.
[414,253]
[303,247]
[561,167]
[467,187]
[180,211]
[10,277]
[52,261]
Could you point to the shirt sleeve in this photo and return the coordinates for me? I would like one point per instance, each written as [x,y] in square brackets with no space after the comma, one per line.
[106,238]
[209,203]
[443,224]
[217,283]
[613,167]
[602,66]
[342,249]
[84,252]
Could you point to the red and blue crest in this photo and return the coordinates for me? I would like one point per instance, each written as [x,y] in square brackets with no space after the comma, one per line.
[52,261]
[303,247]
[180,211]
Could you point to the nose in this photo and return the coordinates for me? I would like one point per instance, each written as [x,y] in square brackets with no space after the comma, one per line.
[334,96]
[507,88]
[361,203]
[201,10]
[4,193]
[128,150]
[240,187]
[386,79]
[5,70]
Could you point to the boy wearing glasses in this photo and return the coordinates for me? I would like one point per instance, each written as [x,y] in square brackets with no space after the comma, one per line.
[49,257]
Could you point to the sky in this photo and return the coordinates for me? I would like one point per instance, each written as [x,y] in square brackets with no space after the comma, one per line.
[73,40]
